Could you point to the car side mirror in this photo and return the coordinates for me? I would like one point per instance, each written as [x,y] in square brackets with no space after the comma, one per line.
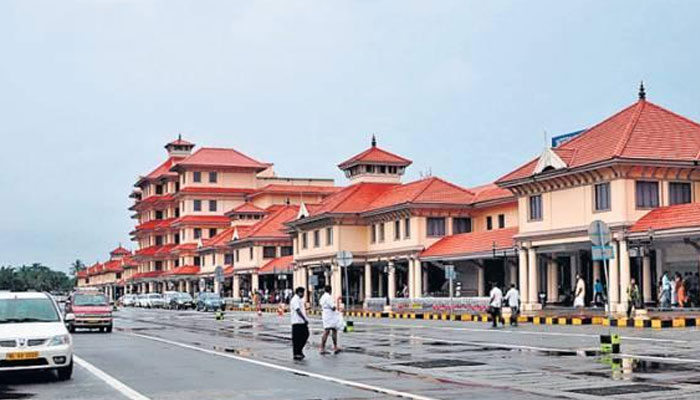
[70,317]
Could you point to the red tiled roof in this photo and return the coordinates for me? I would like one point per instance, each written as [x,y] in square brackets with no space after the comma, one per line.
[179,142]
[670,217]
[375,155]
[155,224]
[277,265]
[164,168]
[220,239]
[425,191]
[272,226]
[94,269]
[120,251]
[642,131]
[128,262]
[184,247]
[82,273]
[245,208]
[165,249]
[216,190]
[147,251]
[473,242]
[149,274]
[490,192]
[352,199]
[183,270]
[202,219]
[112,266]
[223,158]
[296,190]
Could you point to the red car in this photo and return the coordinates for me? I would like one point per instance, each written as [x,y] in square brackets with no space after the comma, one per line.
[91,310]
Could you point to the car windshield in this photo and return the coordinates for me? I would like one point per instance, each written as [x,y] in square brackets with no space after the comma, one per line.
[27,310]
[184,296]
[154,296]
[84,299]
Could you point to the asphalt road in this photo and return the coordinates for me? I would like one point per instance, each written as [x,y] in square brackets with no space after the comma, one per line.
[161,354]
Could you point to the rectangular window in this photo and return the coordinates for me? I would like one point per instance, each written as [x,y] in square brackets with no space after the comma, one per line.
[159,189]
[197,205]
[177,212]
[407,228]
[535,211]
[501,221]
[461,225]
[374,233]
[212,205]
[197,261]
[381,232]
[329,236]
[436,227]
[602,196]
[197,176]
[238,255]
[213,259]
[489,223]
[286,251]
[197,233]
[212,232]
[647,194]
[679,193]
[304,240]
[159,240]
[269,252]
[228,259]
[159,265]
[176,238]
[213,177]
[317,238]
[159,214]
[397,229]
[250,253]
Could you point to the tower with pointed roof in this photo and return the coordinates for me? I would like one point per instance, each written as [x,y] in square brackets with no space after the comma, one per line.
[375,165]
[179,147]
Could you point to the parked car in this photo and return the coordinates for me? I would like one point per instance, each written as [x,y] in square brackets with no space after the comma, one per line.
[90,310]
[153,300]
[178,300]
[33,334]
[139,299]
[207,301]
[128,300]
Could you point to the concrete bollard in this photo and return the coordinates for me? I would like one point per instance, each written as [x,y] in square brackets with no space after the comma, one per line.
[610,344]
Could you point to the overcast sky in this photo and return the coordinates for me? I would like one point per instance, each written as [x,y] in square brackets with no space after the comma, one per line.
[91,90]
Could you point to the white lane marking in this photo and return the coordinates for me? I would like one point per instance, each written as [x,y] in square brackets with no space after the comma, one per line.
[344,382]
[108,379]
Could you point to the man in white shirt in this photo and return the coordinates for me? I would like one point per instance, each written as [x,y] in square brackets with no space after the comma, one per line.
[300,324]
[513,300]
[330,317]
[495,304]
[580,293]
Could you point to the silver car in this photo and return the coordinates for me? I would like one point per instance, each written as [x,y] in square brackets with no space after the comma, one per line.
[153,300]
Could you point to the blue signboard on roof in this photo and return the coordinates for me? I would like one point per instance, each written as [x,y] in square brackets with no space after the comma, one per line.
[561,139]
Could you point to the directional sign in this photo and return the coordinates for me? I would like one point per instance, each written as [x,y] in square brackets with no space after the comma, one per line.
[219,274]
[450,272]
[601,253]
[344,258]
[599,232]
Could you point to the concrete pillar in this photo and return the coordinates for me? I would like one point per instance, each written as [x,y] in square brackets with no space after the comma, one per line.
[255,282]
[552,281]
[411,279]
[523,274]
[236,285]
[336,282]
[646,277]
[391,275]
[532,276]
[188,286]
[513,274]
[573,262]
[624,273]
[659,263]
[480,281]
[368,281]
[614,275]
[418,276]
[424,288]
[151,287]
[217,286]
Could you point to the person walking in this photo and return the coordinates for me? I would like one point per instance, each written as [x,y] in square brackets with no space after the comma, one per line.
[598,297]
[513,300]
[495,304]
[682,293]
[580,292]
[331,319]
[666,290]
[300,323]
[633,297]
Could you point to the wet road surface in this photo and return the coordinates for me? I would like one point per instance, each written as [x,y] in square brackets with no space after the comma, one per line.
[161,354]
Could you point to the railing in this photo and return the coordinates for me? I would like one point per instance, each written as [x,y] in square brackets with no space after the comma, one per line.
[375,303]
[456,305]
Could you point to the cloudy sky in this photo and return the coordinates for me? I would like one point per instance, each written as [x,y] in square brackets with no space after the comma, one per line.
[91,90]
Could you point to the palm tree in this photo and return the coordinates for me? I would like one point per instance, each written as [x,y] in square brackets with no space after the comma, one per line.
[76,267]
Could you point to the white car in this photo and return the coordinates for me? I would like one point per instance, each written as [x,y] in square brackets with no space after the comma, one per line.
[153,300]
[33,334]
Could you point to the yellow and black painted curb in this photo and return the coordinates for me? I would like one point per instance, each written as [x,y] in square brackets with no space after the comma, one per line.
[654,323]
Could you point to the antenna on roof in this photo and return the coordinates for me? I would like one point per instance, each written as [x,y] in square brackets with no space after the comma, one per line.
[179,136]
[374,141]
[544,132]
[642,92]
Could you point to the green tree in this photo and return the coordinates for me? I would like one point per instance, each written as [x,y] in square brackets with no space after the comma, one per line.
[34,277]
[76,267]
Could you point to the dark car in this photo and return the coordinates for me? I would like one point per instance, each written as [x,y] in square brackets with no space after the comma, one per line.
[207,301]
[178,301]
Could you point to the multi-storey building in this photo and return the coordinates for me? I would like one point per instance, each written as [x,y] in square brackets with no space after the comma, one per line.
[108,276]
[182,204]
[388,226]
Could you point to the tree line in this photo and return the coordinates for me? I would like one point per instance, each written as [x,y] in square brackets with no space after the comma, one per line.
[35,277]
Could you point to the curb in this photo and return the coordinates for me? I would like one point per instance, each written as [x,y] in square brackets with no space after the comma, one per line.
[651,323]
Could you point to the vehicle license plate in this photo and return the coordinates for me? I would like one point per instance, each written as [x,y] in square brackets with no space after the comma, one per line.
[22,355]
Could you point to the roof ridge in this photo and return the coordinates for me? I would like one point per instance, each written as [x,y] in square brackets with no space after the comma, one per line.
[267,220]
[578,138]
[631,124]
[454,185]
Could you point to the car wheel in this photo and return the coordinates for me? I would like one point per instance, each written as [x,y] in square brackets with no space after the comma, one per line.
[65,373]
[71,328]
[108,329]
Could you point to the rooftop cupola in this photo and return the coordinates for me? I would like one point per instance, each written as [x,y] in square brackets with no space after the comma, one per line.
[179,147]
[375,165]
